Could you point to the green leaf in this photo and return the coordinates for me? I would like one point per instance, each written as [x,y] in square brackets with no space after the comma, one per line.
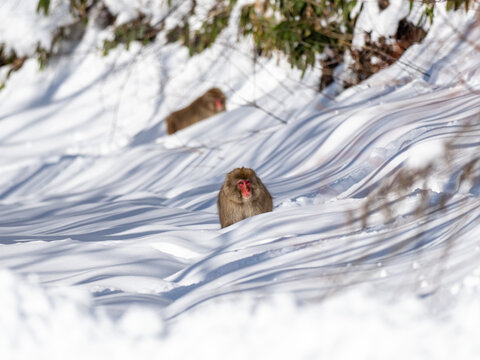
[43,5]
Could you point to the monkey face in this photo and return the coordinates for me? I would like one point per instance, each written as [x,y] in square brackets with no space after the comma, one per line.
[219,104]
[242,184]
[245,186]
[242,195]
[216,100]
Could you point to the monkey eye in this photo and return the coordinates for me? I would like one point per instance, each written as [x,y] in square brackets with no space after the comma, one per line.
[241,183]
[248,182]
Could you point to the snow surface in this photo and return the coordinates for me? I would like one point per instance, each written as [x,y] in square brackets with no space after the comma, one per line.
[22,29]
[109,238]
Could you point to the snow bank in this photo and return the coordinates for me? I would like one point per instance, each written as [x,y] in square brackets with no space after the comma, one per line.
[51,323]
[22,28]
[96,199]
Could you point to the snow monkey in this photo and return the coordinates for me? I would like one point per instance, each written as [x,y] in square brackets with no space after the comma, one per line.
[242,195]
[210,103]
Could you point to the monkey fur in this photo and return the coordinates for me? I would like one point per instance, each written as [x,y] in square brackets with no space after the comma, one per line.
[209,104]
[242,195]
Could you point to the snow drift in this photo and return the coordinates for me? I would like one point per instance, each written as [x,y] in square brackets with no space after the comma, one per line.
[118,222]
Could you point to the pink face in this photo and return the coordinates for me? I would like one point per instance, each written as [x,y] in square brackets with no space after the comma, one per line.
[218,104]
[245,187]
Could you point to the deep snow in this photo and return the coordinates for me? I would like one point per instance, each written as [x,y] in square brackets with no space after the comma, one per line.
[109,236]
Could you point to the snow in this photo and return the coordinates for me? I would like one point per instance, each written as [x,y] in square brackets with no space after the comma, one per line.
[22,29]
[110,245]
[379,22]
[314,331]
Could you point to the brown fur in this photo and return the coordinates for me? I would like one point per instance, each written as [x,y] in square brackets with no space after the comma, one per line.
[198,110]
[232,207]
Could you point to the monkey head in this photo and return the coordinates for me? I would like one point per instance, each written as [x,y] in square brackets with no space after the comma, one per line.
[242,195]
[215,99]
[243,184]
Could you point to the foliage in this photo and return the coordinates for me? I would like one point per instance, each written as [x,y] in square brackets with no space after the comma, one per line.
[217,20]
[78,8]
[376,55]
[11,60]
[456,4]
[43,5]
[299,28]
[429,11]
[43,55]
[138,29]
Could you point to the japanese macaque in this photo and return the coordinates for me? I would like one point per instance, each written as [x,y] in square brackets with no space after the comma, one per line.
[242,195]
[210,103]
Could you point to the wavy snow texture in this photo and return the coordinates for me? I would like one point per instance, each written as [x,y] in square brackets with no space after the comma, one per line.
[94,196]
